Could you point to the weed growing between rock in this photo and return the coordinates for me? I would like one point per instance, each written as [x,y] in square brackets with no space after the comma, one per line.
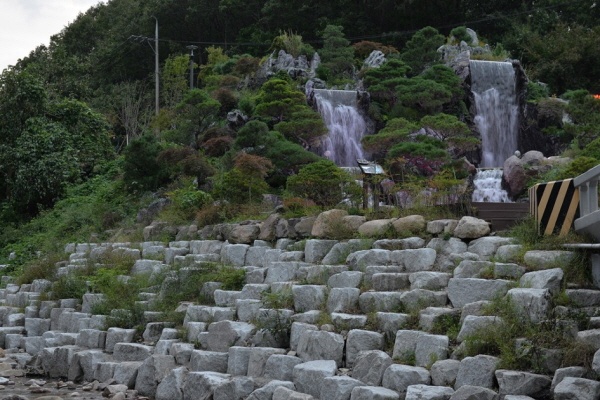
[523,345]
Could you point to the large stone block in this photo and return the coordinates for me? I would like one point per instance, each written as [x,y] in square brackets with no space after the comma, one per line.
[201,360]
[469,290]
[369,366]
[152,371]
[258,359]
[399,377]
[309,297]
[523,383]
[361,340]
[309,376]
[132,351]
[343,299]
[224,334]
[171,388]
[321,345]
[477,371]
[201,385]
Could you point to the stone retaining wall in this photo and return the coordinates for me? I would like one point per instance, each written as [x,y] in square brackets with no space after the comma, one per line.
[361,325]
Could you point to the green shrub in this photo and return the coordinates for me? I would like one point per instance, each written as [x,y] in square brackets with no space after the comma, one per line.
[322,182]
[186,201]
[142,171]
[460,34]
[536,91]
[71,286]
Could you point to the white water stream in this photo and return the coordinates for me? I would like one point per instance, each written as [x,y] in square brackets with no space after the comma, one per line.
[494,88]
[345,125]
[488,187]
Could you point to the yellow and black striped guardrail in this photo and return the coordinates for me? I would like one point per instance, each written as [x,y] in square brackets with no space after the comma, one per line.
[554,206]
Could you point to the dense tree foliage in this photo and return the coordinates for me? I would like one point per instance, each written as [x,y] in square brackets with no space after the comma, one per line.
[67,108]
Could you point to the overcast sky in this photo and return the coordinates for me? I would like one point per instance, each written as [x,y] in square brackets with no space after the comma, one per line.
[25,24]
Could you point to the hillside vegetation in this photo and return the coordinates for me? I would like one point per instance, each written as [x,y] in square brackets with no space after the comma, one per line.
[82,150]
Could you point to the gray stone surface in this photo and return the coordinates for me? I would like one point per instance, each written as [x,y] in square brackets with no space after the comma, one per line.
[562,373]
[309,297]
[373,393]
[266,392]
[444,372]
[321,345]
[281,367]
[236,388]
[258,359]
[361,340]
[413,260]
[343,299]
[550,279]
[201,360]
[399,377]
[474,323]
[421,392]
[468,392]
[201,385]
[487,246]
[283,393]
[224,334]
[171,387]
[350,279]
[429,280]
[316,249]
[369,366]
[153,370]
[338,387]
[523,383]
[431,348]
[469,290]
[132,351]
[471,228]
[477,371]
[309,376]
[534,304]
[296,332]
[577,388]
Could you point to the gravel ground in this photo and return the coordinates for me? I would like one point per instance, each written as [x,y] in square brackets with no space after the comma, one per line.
[16,384]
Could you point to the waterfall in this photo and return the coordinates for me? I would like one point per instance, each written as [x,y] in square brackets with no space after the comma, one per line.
[488,186]
[346,126]
[494,87]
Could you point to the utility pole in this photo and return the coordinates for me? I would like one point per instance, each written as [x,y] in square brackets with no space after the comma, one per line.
[141,39]
[191,48]
[156,73]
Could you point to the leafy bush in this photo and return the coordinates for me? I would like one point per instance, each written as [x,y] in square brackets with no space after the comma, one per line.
[142,170]
[186,201]
[322,182]
[234,186]
[461,35]
[536,91]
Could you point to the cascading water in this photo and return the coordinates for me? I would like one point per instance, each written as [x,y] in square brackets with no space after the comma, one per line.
[494,87]
[345,125]
[488,186]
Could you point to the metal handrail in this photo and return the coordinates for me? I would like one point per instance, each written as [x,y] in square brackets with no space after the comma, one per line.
[588,190]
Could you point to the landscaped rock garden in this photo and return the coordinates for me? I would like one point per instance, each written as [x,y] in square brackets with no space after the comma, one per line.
[447,311]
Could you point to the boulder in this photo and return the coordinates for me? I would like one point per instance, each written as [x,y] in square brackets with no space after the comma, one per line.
[328,223]
[361,340]
[523,383]
[321,345]
[577,388]
[399,377]
[471,228]
[309,376]
[411,224]
[370,365]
